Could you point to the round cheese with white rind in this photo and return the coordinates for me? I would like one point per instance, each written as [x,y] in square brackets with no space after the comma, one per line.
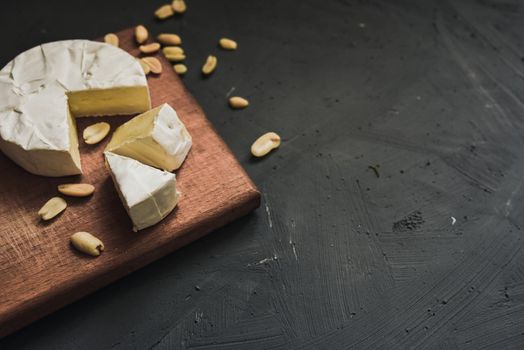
[44,88]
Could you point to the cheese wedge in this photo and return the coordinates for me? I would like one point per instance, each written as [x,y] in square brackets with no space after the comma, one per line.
[148,194]
[157,138]
[42,89]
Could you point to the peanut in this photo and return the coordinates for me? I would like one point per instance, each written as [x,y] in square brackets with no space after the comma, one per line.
[87,243]
[96,132]
[149,48]
[111,39]
[164,12]
[265,144]
[210,65]
[228,44]
[144,66]
[141,34]
[178,57]
[76,190]
[169,39]
[179,6]
[180,69]
[154,64]
[52,208]
[171,50]
[238,102]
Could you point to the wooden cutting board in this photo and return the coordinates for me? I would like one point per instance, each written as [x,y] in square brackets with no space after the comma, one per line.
[40,272]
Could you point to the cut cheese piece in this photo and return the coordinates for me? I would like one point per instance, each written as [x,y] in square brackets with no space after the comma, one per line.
[157,138]
[42,89]
[148,194]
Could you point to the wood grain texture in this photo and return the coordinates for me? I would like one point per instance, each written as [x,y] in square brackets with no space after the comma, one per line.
[39,270]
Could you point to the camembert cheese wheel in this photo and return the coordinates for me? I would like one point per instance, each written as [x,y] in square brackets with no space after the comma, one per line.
[44,88]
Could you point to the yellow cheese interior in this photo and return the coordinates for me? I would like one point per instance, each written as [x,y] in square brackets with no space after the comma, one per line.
[133,139]
[117,101]
[73,137]
[139,127]
[146,150]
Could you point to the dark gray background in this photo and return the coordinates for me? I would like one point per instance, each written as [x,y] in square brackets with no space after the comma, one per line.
[336,257]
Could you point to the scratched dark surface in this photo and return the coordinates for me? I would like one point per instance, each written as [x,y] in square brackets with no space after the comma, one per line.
[428,95]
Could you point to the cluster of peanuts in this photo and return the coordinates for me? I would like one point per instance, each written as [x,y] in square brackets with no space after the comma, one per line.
[170,44]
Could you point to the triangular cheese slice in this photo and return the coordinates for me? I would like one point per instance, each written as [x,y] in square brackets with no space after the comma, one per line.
[157,138]
[148,194]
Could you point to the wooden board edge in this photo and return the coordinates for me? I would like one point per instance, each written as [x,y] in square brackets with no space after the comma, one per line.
[24,314]
[36,309]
